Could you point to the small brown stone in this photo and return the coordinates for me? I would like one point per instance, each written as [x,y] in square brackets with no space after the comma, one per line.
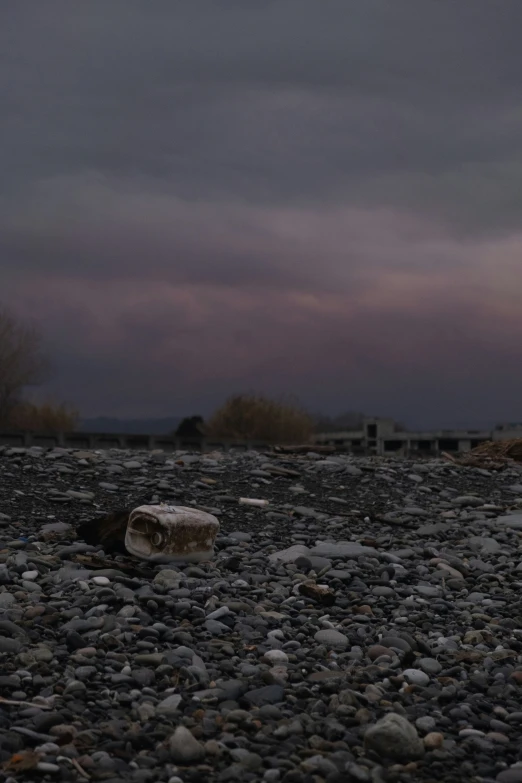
[320,593]
[498,737]
[363,715]
[34,611]
[377,650]
[364,609]
[411,767]
[213,748]
[433,740]
[517,677]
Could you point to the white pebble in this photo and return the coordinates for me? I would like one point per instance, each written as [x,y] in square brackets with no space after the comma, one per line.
[30,576]
[101,580]
[416,677]
[276,656]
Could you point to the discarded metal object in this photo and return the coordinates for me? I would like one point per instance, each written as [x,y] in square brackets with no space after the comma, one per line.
[165,533]
[159,533]
[492,455]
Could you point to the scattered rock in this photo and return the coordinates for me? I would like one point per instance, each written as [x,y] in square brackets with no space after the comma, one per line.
[184,747]
[394,737]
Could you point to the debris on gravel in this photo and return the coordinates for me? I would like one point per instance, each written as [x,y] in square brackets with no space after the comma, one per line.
[360,621]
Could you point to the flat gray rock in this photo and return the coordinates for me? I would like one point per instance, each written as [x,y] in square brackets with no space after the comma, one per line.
[332,638]
[289,555]
[513,521]
[484,544]
[394,737]
[343,550]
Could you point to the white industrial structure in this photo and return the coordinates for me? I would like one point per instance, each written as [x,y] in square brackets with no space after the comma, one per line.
[384,436]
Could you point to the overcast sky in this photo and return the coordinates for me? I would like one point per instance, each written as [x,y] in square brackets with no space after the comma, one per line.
[309,197]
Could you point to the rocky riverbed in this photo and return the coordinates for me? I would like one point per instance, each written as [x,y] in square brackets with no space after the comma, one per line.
[406,665]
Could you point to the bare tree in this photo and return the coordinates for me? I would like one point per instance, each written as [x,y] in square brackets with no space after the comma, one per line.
[22,361]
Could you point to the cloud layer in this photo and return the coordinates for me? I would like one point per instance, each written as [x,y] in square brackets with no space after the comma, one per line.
[318,199]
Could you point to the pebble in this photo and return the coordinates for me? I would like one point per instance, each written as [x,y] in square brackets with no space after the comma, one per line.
[184,747]
[169,706]
[433,740]
[416,677]
[513,775]
[394,737]
[100,580]
[332,639]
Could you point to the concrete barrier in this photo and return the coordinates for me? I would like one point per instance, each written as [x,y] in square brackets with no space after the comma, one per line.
[104,440]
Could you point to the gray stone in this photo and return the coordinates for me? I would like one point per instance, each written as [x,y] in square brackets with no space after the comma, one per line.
[484,545]
[270,694]
[513,521]
[343,550]
[168,578]
[394,737]
[426,724]
[416,677]
[169,706]
[430,666]
[513,775]
[184,747]
[289,555]
[467,500]
[397,642]
[9,645]
[332,639]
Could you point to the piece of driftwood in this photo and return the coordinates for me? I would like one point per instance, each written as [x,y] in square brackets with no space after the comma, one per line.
[130,569]
[304,449]
[492,455]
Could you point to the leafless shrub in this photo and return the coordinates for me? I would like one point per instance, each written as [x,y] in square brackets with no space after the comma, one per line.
[46,417]
[255,417]
[22,361]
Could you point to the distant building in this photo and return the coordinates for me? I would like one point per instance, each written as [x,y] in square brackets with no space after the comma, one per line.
[384,436]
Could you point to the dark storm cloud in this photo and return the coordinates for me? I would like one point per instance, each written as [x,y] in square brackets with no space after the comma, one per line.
[290,101]
[294,193]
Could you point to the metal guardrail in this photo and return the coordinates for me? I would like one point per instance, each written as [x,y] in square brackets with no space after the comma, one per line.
[103,440]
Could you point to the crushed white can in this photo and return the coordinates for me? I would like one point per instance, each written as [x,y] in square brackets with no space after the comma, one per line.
[166,533]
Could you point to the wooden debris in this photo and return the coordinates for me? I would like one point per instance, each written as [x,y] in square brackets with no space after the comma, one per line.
[320,593]
[23,761]
[130,569]
[492,455]
[304,449]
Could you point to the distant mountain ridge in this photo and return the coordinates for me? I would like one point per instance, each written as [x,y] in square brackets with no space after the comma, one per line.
[130,426]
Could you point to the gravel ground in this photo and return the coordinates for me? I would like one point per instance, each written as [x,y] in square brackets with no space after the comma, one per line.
[405,666]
